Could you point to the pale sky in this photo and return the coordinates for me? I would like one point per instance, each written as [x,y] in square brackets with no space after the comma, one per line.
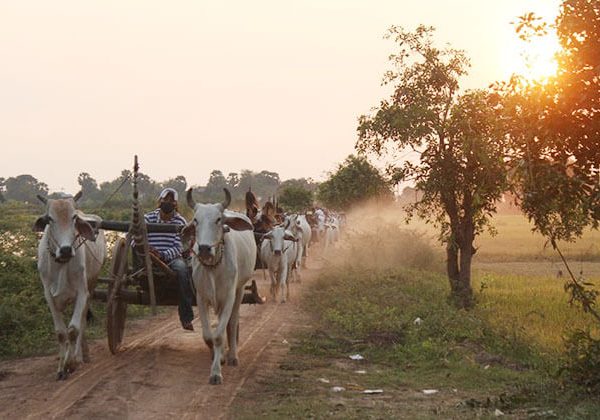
[192,86]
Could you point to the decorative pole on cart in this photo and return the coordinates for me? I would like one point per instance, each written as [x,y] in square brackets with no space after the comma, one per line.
[140,235]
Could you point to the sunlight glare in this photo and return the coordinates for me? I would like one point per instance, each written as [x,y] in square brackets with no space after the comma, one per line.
[536,58]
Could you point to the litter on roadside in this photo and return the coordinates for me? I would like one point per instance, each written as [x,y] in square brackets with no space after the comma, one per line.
[430,391]
[360,372]
[498,413]
[285,341]
[418,321]
[373,391]
[338,389]
[324,380]
[356,357]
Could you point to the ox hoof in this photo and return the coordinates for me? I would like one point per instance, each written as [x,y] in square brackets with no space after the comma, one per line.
[233,361]
[215,380]
[62,375]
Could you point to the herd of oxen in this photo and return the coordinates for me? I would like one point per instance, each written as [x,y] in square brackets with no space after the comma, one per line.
[226,247]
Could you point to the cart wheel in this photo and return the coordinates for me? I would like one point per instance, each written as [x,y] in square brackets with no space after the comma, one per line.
[116,308]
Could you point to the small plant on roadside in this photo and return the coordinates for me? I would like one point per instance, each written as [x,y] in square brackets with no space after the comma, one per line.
[582,360]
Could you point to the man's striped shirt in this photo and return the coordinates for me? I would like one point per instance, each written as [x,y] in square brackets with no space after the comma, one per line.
[167,244]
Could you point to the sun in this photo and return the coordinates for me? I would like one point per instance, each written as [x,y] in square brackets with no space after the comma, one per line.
[534,59]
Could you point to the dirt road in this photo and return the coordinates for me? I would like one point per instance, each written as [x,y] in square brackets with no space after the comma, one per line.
[162,372]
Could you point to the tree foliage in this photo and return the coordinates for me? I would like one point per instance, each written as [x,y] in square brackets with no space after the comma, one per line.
[354,181]
[293,198]
[461,169]
[24,188]
[554,126]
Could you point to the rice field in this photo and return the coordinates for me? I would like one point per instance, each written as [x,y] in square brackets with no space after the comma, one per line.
[518,279]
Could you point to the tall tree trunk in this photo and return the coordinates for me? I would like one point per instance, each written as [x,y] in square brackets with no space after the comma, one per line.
[464,293]
[458,265]
[452,267]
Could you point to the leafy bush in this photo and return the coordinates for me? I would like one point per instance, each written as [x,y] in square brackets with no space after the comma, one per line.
[25,321]
[582,362]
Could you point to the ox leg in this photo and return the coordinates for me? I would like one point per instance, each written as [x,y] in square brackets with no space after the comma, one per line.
[283,282]
[298,264]
[76,327]
[224,318]
[273,285]
[85,350]
[304,255]
[61,333]
[209,339]
[233,328]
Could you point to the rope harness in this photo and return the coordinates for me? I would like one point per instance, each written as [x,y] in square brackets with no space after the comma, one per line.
[78,241]
[220,250]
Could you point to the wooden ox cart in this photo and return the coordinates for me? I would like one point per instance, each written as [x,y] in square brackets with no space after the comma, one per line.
[138,277]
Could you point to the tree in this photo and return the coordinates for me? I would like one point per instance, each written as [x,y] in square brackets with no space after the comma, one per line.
[304,183]
[215,185]
[266,183]
[354,181]
[118,191]
[295,198]
[89,187]
[233,181]
[554,126]
[461,170]
[24,188]
[179,184]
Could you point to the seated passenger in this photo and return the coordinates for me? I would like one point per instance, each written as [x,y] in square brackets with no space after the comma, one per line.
[168,247]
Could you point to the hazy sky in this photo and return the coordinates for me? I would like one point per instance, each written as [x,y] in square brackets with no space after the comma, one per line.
[192,86]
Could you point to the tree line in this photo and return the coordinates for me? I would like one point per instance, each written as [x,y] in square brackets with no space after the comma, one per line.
[354,181]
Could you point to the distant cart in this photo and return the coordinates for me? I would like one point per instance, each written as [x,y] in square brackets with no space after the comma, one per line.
[138,277]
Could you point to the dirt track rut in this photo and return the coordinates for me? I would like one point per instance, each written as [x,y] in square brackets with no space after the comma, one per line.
[162,371]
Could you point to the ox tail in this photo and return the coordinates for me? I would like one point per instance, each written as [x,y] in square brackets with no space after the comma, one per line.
[137,221]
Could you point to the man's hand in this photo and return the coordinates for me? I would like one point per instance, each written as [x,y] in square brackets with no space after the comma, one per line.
[154,252]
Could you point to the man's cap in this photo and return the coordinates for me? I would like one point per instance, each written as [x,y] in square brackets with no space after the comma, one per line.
[166,191]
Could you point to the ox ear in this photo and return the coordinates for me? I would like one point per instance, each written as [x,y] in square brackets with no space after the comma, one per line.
[237,223]
[289,237]
[77,196]
[188,232]
[40,223]
[85,229]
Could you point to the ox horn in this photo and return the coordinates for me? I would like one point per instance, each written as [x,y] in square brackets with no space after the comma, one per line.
[190,200]
[77,196]
[227,201]
[42,199]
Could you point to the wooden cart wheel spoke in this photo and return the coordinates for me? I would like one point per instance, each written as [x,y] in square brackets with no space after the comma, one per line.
[116,308]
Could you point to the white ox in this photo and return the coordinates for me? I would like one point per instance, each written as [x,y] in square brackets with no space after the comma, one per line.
[332,231]
[303,229]
[70,256]
[224,257]
[278,253]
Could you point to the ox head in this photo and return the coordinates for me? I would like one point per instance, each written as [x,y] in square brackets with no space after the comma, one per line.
[277,237]
[62,225]
[210,224]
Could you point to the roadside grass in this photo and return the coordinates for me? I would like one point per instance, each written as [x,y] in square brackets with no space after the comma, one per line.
[534,309]
[504,355]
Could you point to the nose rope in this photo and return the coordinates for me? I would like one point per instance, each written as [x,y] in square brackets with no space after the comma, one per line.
[53,243]
[220,248]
